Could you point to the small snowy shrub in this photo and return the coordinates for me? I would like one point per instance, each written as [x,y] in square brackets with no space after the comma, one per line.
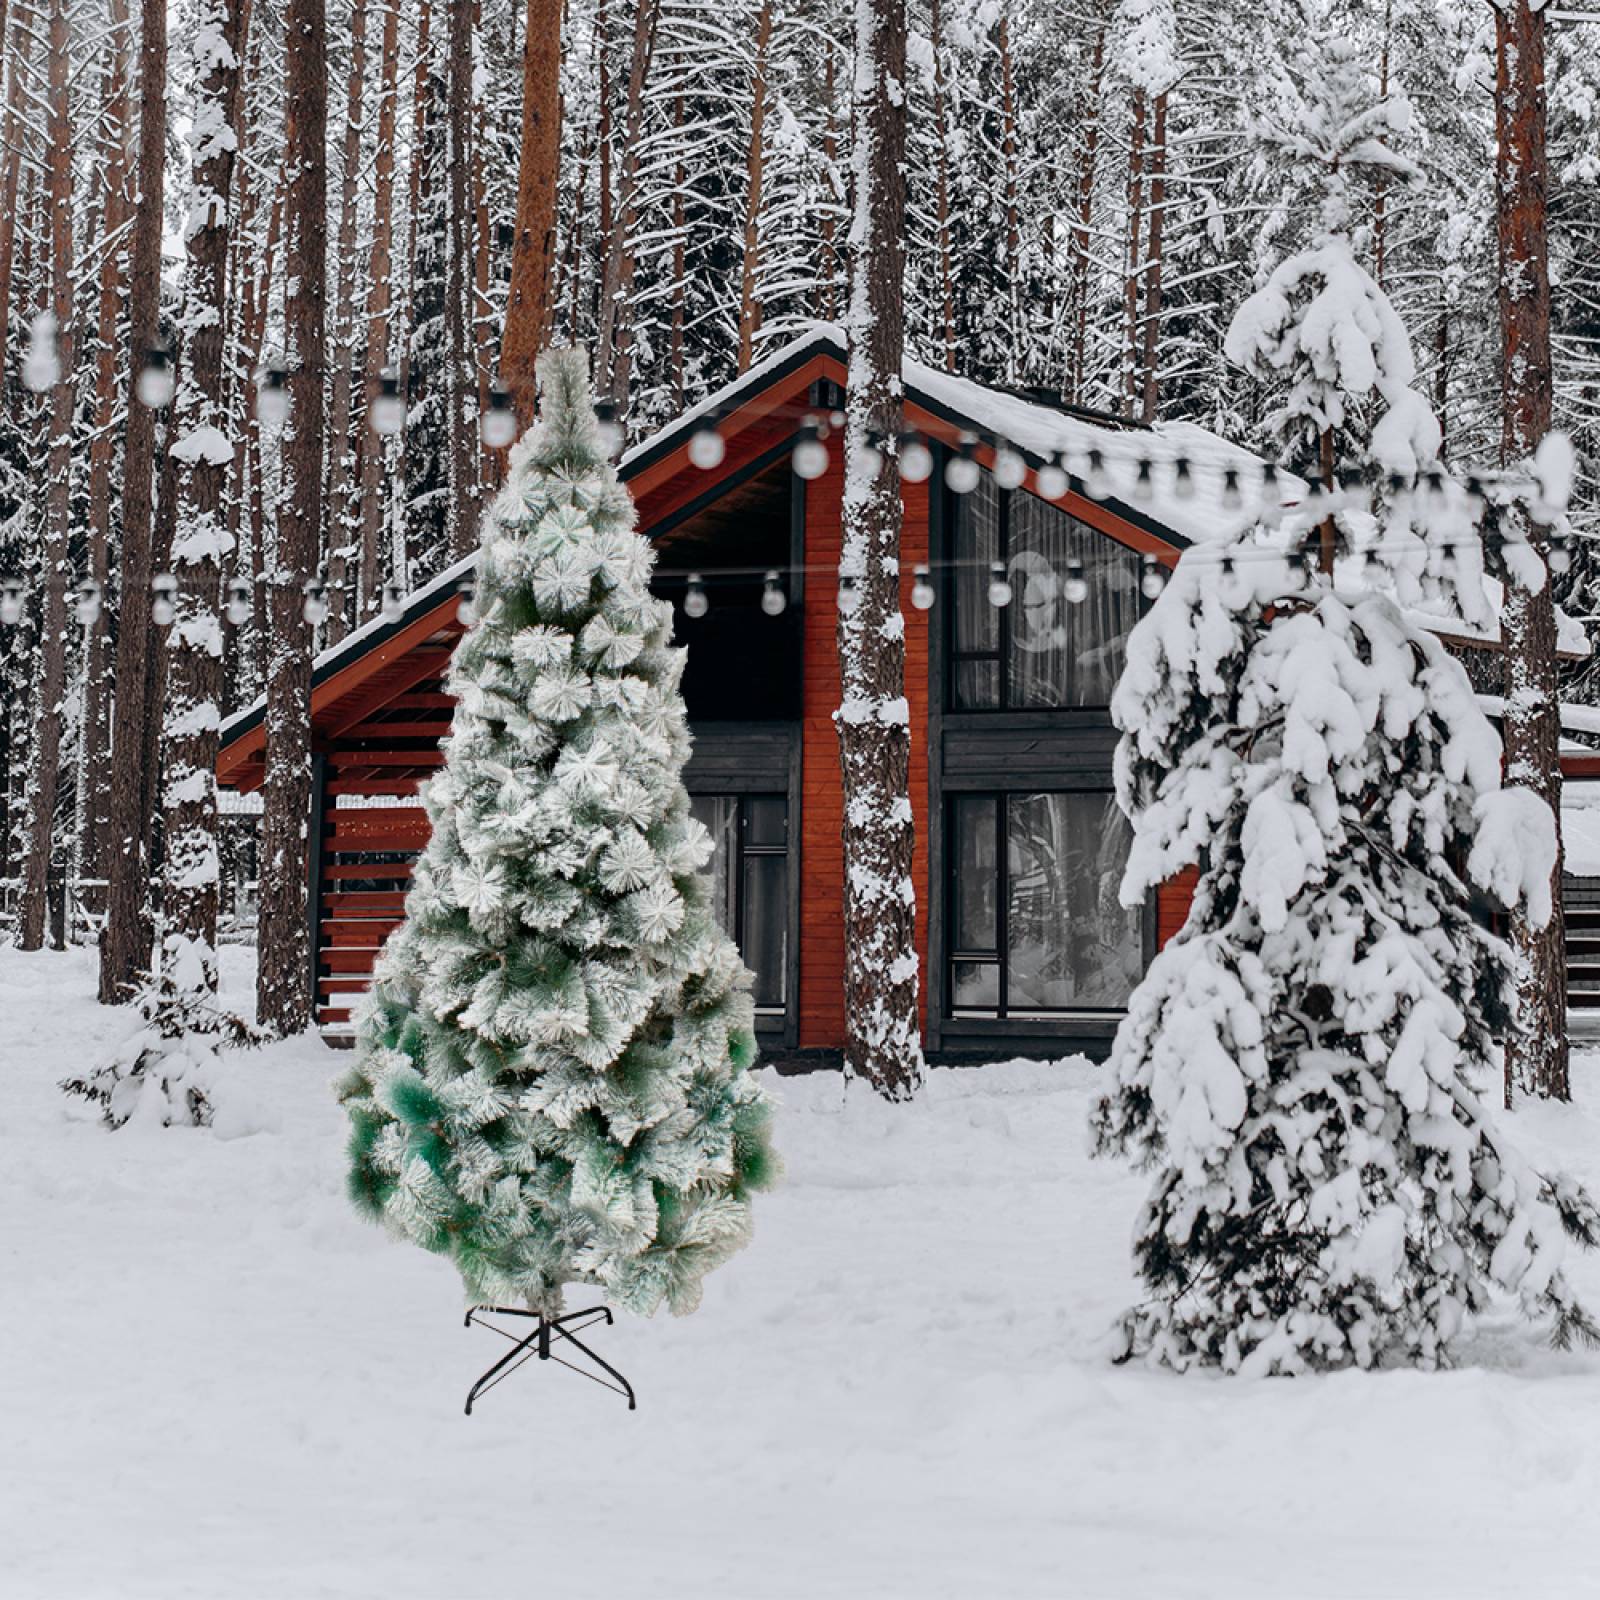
[552,1077]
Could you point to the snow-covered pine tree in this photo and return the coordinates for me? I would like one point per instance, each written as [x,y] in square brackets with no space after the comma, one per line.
[1310,1066]
[552,1083]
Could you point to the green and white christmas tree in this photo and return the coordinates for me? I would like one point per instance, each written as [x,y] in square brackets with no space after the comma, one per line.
[552,1077]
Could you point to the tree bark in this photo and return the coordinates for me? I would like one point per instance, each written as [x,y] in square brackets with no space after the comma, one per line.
[1152,282]
[1130,336]
[941,132]
[883,1043]
[1008,152]
[1077,358]
[755,171]
[1538,1061]
[124,948]
[460,382]
[20,50]
[284,979]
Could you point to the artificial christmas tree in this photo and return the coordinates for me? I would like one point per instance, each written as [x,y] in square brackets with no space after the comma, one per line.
[552,1079]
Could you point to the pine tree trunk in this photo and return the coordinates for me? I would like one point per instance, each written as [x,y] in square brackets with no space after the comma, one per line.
[1008,154]
[941,133]
[193,697]
[1152,283]
[883,1043]
[828,270]
[44,765]
[283,986]
[755,172]
[124,948]
[1537,1063]
[380,299]
[460,384]
[415,194]
[1077,357]
[342,514]
[1130,292]
[530,309]
[680,178]
[19,52]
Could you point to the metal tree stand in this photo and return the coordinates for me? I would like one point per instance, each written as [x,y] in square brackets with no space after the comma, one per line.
[545,1332]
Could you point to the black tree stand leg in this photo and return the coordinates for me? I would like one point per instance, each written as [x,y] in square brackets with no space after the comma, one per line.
[537,1343]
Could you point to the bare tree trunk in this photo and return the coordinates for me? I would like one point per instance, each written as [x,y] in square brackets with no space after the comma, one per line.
[883,1044]
[284,982]
[755,169]
[1152,282]
[20,51]
[342,514]
[1130,336]
[941,129]
[460,384]
[44,763]
[530,311]
[829,269]
[380,299]
[1538,1062]
[1380,178]
[1008,152]
[203,452]
[1077,359]
[679,261]
[414,199]
[124,948]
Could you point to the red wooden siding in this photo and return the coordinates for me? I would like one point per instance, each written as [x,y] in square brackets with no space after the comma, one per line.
[1173,899]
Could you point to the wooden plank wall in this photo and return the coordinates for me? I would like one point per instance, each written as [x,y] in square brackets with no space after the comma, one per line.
[821,809]
[1173,899]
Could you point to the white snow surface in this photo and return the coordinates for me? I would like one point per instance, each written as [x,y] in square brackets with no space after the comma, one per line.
[220,1383]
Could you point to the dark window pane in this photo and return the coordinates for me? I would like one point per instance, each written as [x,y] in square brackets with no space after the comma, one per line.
[975,985]
[977,685]
[766,925]
[766,820]
[1069,942]
[720,814]
[976,542]
[976,884]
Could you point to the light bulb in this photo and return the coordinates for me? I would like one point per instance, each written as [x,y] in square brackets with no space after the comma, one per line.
[1560,556]
[1154,579]
[88,602]
[499,422]
[869,460]
[922,595]
[155,384]
[1051,479]
[849,595]
[961,471]
[1182,479]
[1144,484]
[1009,468]
[773,599]
[388,412]
[1075,587]
[1095,483]
[695,602]
[238,608]
[315,609]
[467,604]
[707,447]
[392,607]
[163,605]
[272,395]
[916,459]
[10,602]
[41,363]
[999,589]
[608,428]
[810,459]
[1232,499]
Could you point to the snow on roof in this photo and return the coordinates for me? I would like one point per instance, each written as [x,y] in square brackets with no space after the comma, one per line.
[1580,828]
[1584,720]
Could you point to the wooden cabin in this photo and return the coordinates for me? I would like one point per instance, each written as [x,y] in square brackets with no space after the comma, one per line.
[1020,845]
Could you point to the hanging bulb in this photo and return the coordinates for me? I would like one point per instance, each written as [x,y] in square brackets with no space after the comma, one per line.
[272,394]
[499,422]
[1009,467]
[388,410]
[1371,566]
[41,362]
[164,604]
[607,426]
[961,470]
[1051,479]
[1447,557]
[155,384]
[1397,483]
[467,605]
[1227,566]
[999,589]
[707,447]
[1475,492]
[869,459]
[1560,556]
[1153,579]
[392,608]
[88,602]
[916,459]
[1182,479]
[1075,587]
[1269,480]
[695,603]
[1434,479]
[1310,564]
[773,599]
[238,607]
[1144,486]
[922,595]
[1095,483]
[11,602]
[315,609]
[849,594]
[1232,499]
[810,458]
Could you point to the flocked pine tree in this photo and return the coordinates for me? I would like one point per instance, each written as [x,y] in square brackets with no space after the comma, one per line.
[552,1083]
[1310,1066]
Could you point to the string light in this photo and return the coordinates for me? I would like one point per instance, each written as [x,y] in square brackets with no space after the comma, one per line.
[961,472]
[239,602]
[1009,468]
[869,458]
[393,603]
[1232,499]
[810,458]
[467,605]
[707,447]
[695,603]
[1182,479]
[999,588]
[1051,479]
[1144,487]
[388,412]
[41,362]
[1095,484]
[922,595]
[155,384]
[315,607]
[164,604]
[272,394]
[849,594]
[916,459]
[11,593]
[1075,587]
[88,603]
[1560,556]
[499,421]
[608,428]
[773,599]
[1153,579]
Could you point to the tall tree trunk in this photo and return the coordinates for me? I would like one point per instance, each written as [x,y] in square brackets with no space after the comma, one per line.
[530,308]
[203,452]
[1008,153]
[1077,356]
[380,299]
[124,948]
[44,765]
[680,287]
[19,53]
[341,512]
[415,177]
[941,134]
[1152,282]
[1380,178]
[1538,1062]
[755,172]
[829,268]
[883,1043]
[1130,287]
[460,384]
[284,979]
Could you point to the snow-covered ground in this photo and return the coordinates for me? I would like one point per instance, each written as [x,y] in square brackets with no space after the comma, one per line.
[217,1382]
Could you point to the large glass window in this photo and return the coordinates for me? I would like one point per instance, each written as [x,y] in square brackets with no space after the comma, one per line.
[750,884]
[1035,926]
[1043,651]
